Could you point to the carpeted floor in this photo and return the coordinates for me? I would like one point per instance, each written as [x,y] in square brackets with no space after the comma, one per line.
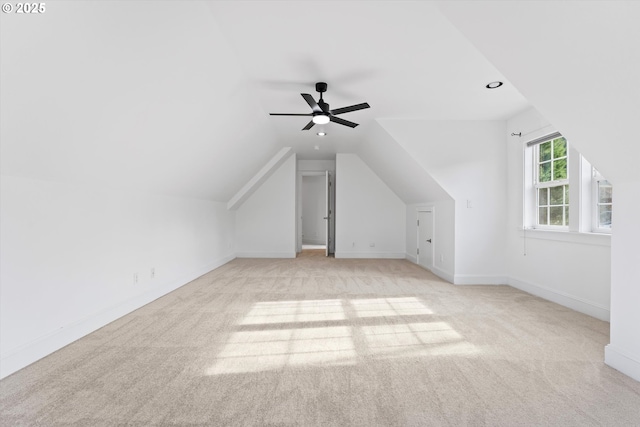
[318,341]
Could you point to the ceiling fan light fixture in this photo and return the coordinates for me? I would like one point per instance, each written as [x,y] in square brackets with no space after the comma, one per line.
[494,85]
[321,113]
[320,119]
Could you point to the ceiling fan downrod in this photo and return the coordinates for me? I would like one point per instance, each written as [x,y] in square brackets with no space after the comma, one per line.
[321,87]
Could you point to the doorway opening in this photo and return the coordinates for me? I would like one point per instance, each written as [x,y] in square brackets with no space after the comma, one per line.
[316,227]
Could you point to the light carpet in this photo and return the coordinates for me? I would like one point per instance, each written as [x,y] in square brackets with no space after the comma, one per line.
[318,341]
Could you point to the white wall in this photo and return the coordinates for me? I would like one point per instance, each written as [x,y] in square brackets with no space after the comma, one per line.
[313,209]
[367,212]
[623,352]
[594,42]
[70,252]
[265,222]
[468,160]
[577,269]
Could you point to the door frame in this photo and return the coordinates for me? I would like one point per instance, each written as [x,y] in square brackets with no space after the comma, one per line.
[432,210]
[300,174]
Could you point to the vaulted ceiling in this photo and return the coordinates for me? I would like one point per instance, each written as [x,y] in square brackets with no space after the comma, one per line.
[174,97]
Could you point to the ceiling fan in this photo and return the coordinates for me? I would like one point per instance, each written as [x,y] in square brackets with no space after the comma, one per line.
[320,112]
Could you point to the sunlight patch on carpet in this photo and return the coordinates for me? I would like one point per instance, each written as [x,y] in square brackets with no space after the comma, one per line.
[294,311]
[255,351]
[286,336]
[379,307]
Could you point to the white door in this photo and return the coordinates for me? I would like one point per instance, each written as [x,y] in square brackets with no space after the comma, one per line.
[327,211]
[425,239]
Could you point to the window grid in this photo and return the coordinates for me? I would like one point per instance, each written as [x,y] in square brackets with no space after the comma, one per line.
[552,183]
[553,206]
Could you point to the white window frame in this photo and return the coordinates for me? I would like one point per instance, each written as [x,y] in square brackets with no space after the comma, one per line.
[583,197]
[597,178]
[537,186]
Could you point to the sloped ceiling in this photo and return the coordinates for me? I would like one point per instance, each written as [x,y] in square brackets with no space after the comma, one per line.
[398,169]
[174,97]
[577,62]
[465,158]
[143,95]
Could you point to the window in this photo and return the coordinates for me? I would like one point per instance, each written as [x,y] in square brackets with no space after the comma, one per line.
[603,198]
[552,183]
[562,190]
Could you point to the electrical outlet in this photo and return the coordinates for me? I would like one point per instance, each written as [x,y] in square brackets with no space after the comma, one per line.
[153,273]
[135,278]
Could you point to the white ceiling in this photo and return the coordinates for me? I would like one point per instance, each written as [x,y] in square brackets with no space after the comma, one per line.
[174,97]
[578,62]
[403,58]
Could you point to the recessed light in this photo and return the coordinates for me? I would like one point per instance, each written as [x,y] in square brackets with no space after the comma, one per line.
[321,133]
[494,85]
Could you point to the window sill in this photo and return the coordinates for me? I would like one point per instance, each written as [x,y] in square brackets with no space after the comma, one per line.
[599,239]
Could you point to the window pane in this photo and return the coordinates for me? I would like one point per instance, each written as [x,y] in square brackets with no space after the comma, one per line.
[555,215]
[566,194]
[560,169]
[545,151]
[605,216]
[566,215]
[559,148]
[542,196]
[545,172]
[557,195]
[542,216]
[605,192]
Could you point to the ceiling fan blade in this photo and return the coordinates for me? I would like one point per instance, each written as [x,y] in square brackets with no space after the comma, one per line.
[351,108]
[309,125]
[312,103]
[342,121]
[289,114]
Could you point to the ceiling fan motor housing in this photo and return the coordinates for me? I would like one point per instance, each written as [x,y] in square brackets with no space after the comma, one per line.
[321,87]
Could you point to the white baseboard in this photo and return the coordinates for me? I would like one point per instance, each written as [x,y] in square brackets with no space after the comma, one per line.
[443,274]
[622,362]
[18,358]
[471,279]
[266,254]
[578,304]
[411,258]
[461,279]
[372,255]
